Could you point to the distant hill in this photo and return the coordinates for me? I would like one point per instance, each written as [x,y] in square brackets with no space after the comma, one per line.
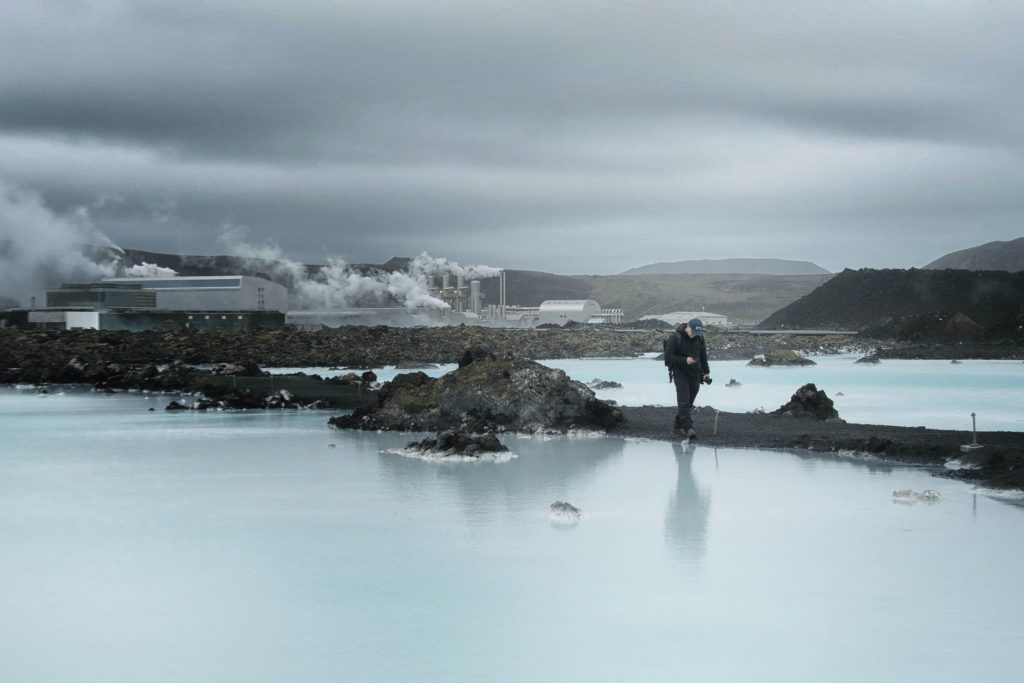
[1007,256]
[743,298]
[749,266]
[899,301]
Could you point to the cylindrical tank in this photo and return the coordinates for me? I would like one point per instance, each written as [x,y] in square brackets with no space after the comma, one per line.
[474,296]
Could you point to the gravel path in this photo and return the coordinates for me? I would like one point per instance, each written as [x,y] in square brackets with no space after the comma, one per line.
[1002,458]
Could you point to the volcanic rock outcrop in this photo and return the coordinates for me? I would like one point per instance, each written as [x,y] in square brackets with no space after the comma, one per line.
[452,442]
[488,393]
[809,401]
[780,357]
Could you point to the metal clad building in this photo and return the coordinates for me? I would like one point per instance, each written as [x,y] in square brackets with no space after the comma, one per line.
[559,312]
[110,295]
[212,293]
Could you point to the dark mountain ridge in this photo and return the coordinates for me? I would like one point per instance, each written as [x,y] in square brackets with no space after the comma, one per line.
[912,304]
[1008,256]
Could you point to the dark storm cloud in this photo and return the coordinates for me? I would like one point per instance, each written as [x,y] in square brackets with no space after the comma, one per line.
[519,133]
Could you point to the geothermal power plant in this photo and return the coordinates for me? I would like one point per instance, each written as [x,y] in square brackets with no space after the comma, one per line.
[248,302]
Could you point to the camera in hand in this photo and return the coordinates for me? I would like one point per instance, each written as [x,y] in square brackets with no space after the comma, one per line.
[706,380]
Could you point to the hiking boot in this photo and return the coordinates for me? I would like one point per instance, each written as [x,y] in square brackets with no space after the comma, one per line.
[678,431]
[691,434]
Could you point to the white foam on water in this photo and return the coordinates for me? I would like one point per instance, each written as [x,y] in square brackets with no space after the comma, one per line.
[441,456]
[957,464]
[911,497]
[1011,495]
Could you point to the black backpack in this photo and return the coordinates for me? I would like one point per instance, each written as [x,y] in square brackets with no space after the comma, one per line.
[666,343]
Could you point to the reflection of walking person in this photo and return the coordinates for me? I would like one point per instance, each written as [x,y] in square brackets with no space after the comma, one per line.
[687,359]
[686,520]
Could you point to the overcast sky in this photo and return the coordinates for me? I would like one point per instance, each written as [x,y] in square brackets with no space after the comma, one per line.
[572,137]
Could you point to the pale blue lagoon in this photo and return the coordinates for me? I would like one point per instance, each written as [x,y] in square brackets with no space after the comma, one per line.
[907,393]
[263,546]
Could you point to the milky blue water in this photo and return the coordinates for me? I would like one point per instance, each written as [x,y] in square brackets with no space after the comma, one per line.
[907,393]
[241,546]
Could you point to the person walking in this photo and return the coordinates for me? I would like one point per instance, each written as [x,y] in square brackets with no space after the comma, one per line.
[687,358]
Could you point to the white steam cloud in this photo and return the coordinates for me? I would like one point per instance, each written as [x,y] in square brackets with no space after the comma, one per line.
[338,285]
[426,265]
[41,249]
[145,269]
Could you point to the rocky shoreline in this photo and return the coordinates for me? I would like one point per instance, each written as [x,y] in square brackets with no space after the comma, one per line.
[41,356]
[542,398]
[999,465]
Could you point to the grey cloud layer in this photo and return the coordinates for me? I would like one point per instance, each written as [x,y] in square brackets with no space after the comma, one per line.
[371,129]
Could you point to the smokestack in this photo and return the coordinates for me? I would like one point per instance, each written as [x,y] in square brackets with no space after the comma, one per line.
[474,296]
[501,296]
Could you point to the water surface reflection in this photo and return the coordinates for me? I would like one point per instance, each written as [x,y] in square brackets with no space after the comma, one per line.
[686,519]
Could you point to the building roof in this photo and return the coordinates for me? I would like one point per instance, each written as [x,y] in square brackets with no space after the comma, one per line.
[203,282]
[568,304]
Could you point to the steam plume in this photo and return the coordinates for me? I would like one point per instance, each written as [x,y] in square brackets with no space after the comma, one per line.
[145,269]
[337,285]
[41,249]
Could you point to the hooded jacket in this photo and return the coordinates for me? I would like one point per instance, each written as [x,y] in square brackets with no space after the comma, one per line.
[679,347]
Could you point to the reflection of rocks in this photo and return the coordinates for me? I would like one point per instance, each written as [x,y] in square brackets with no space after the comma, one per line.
[488,393]
[783,357]
[243,399]
[598,383]
[565,513]
[809,401]
[452,442]
[560,464]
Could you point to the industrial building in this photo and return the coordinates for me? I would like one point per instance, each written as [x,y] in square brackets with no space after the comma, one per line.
[136,320]
[210,293]
[233,302]
[581,311]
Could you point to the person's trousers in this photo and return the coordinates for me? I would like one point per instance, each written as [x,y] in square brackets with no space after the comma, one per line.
[686,393]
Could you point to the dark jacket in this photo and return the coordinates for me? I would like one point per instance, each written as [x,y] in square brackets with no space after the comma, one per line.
[680,346]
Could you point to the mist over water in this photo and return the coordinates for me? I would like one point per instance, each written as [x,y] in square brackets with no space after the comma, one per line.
[241,546]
